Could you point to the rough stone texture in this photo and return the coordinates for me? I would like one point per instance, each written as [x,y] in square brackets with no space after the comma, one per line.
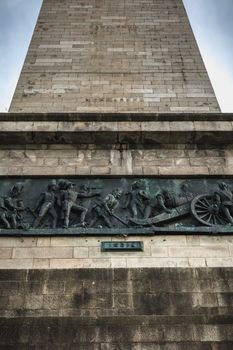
[108,56]
[85,252]
[115,159]
[123,309]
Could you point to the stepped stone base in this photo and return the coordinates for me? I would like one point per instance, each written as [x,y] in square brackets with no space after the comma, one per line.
[110,309]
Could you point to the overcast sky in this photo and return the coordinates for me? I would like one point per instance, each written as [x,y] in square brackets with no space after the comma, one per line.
[211,21]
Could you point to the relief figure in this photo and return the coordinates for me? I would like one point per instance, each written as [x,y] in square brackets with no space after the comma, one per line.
[69,197]
[105,209]
[136,198]
[223,199]
[12,208]
[173,200]
[156,205]
[46,205]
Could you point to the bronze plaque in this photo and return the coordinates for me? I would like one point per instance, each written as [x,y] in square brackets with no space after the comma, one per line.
[119,206]
[136,246]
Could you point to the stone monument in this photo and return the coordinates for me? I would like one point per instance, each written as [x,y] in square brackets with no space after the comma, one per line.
[116,204]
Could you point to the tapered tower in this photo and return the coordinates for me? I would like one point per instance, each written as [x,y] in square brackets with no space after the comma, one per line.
[108,56]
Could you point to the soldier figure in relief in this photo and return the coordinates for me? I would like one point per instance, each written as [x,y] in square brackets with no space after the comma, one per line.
[68,202]
[224,199]
[173,200]
[12,208]
[46,204]
[136,199]
[105,209]
[69,198]
[86,194]
[156,203]
[3,213]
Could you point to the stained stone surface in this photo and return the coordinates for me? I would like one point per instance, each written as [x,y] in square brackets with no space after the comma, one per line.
[126,309]
[113,56]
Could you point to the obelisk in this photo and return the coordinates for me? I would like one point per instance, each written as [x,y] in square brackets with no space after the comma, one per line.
[114,57]
[116,203]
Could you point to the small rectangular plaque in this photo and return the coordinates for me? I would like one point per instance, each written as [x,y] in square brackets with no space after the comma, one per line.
[122,246]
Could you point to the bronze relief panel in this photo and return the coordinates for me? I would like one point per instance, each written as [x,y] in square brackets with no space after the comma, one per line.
[115,205]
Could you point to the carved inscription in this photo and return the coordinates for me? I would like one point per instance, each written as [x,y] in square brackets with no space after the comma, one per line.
[122,246]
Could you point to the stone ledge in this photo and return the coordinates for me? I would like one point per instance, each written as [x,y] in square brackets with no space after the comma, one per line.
[115,117]
[116,128]
[131,320]
[62,331]
[119,232]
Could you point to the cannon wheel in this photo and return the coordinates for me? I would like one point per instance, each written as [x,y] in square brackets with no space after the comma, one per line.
[204,211]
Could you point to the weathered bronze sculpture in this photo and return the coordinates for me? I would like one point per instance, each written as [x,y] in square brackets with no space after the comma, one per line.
[224,198]
[133,204]
[104,210]
[69,198]
[12,207]
[136,198]
[46,204]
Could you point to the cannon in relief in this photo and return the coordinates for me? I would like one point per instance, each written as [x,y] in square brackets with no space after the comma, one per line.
[208,209]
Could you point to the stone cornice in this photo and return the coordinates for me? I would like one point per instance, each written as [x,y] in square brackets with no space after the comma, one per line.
[132,129]
[114,117]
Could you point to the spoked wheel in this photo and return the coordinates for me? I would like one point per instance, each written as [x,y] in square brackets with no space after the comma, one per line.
[206,211]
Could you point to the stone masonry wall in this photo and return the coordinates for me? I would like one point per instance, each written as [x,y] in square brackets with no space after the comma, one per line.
[116,309]
[113,56]
[64,160]
[85,252]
